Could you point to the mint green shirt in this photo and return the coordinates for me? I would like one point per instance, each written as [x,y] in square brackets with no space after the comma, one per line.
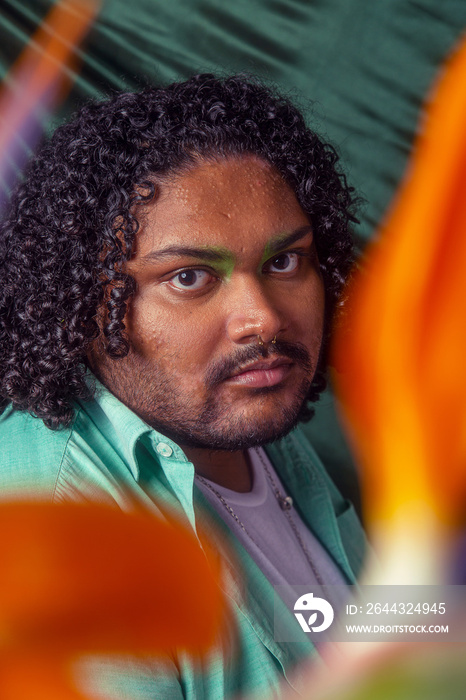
[110,455]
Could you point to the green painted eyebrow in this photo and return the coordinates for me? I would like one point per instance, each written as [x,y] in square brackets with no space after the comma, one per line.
[207,254]
[223,258]
[219,254]
[219,258]
[284,240]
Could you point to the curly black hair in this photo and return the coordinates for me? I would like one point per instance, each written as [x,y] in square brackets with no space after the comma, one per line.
[71,223]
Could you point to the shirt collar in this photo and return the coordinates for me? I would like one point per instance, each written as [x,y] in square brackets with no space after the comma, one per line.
[127,429]
[124,430]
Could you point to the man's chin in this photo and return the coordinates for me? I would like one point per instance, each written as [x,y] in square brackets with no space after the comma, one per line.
[233,434]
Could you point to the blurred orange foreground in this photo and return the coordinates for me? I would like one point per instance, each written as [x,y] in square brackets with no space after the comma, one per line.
[403,385]
[77,578]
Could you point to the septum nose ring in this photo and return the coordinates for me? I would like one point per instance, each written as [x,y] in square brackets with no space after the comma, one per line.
[261,342]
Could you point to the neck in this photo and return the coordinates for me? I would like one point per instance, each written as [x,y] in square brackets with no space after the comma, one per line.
[228,469]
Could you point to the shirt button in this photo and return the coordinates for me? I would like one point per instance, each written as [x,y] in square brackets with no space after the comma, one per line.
[164,449]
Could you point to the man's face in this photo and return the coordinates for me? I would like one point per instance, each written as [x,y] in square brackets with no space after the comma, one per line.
[224,261]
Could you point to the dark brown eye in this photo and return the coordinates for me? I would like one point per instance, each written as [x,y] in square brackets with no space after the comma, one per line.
[191,279]
[285,262]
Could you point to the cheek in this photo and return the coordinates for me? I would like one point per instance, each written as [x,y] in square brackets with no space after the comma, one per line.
[312,313]
[181,341]
[318,302]
[144,328]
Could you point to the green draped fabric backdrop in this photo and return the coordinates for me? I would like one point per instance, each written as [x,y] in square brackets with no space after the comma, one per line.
[359,69]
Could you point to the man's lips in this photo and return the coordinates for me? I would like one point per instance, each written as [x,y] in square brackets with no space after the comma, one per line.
[262,373]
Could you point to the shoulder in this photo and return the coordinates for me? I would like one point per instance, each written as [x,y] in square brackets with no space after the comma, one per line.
[75,463]
[31,454]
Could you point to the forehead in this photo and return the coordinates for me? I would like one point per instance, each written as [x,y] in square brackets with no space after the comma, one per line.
[235,202]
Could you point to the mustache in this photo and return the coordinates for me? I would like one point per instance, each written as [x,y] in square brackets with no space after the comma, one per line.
[223,369]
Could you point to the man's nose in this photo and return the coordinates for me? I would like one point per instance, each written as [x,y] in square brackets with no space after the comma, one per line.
[253,313]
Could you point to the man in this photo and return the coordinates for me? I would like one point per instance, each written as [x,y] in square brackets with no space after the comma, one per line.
[187,247]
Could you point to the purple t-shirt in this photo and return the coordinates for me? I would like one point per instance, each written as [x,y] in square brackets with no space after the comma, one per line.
[285,550]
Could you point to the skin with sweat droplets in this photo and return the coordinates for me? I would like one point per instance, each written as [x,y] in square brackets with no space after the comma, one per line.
[224,255]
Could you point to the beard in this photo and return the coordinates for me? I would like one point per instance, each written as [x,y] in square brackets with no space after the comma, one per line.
[153,394]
